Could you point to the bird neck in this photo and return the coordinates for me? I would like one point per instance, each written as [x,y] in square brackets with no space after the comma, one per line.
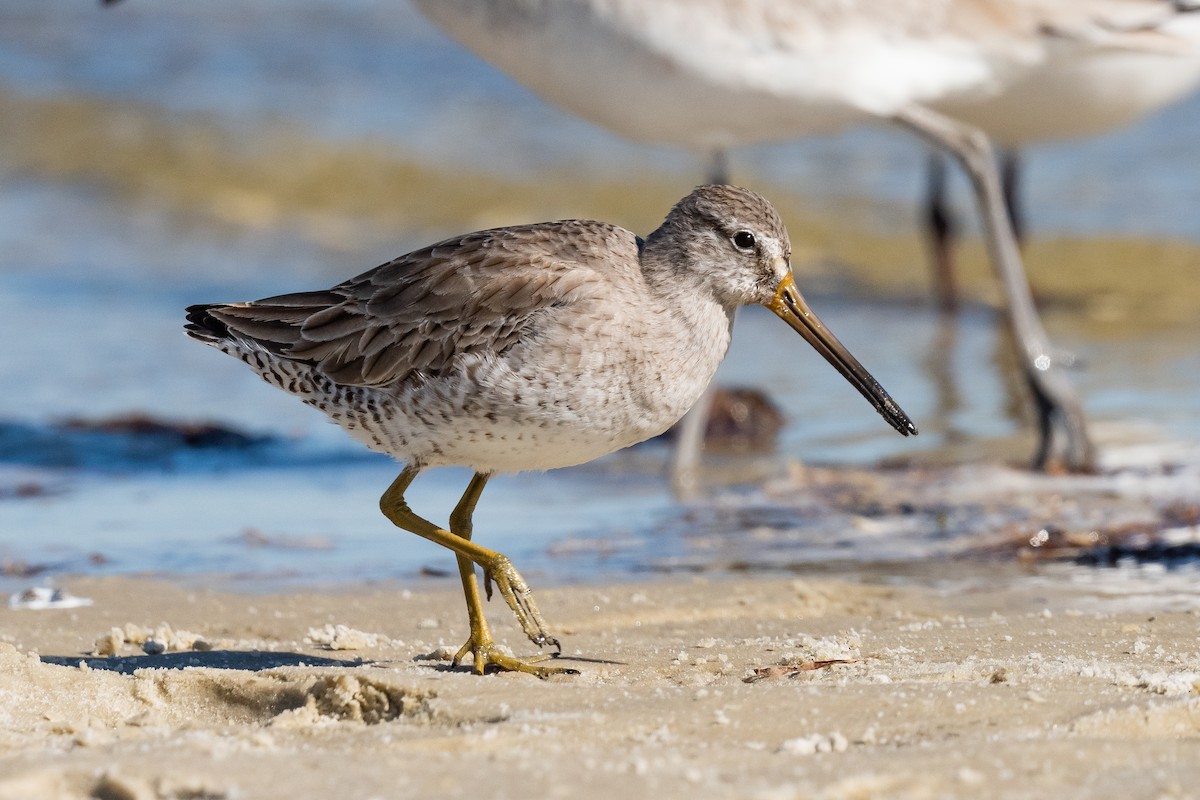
[672,272]
[693,318]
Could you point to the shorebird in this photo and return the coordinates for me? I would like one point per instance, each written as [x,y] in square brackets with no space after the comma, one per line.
[1127,60]
[710,75]
[528,347]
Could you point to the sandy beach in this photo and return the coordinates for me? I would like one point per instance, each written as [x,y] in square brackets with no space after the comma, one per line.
[982,682]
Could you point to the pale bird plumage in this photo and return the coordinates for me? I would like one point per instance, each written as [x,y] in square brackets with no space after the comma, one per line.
[528,347]
[709,74]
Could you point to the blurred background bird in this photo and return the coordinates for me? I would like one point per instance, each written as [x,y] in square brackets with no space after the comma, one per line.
[1104,69]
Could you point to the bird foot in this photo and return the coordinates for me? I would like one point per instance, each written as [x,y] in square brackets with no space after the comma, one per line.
[486,654]
[515,591]
[1056,402]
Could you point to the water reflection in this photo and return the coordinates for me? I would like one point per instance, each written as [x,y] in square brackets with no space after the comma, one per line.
[938,364]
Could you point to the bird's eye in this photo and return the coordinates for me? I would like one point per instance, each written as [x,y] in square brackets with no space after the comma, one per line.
[743,240]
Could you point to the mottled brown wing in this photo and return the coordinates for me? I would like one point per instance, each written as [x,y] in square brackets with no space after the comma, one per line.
[481,292]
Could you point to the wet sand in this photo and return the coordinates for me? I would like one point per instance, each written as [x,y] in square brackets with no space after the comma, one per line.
[985,682]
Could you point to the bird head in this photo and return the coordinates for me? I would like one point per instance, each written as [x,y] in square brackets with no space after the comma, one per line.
[735,242]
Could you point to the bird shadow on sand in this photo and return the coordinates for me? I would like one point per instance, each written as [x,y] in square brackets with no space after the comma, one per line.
[246,660]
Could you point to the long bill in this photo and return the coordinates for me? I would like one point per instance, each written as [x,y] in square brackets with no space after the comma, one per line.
[790,306]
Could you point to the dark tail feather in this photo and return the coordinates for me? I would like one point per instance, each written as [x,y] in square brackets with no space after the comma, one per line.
[203,325]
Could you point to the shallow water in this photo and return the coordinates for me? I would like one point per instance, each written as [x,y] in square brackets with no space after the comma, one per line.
[304,505]
[93,280]
[368,70]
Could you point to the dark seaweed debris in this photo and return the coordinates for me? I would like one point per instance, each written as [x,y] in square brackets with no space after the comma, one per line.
[973,512]
[123,442]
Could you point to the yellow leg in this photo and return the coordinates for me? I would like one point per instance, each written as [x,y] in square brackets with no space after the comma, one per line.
[496,567]
[461,524]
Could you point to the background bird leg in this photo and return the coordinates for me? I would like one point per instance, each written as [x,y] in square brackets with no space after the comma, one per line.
[1053,395]
[942,230]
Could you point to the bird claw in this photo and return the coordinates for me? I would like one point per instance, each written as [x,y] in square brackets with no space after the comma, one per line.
[516,593]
